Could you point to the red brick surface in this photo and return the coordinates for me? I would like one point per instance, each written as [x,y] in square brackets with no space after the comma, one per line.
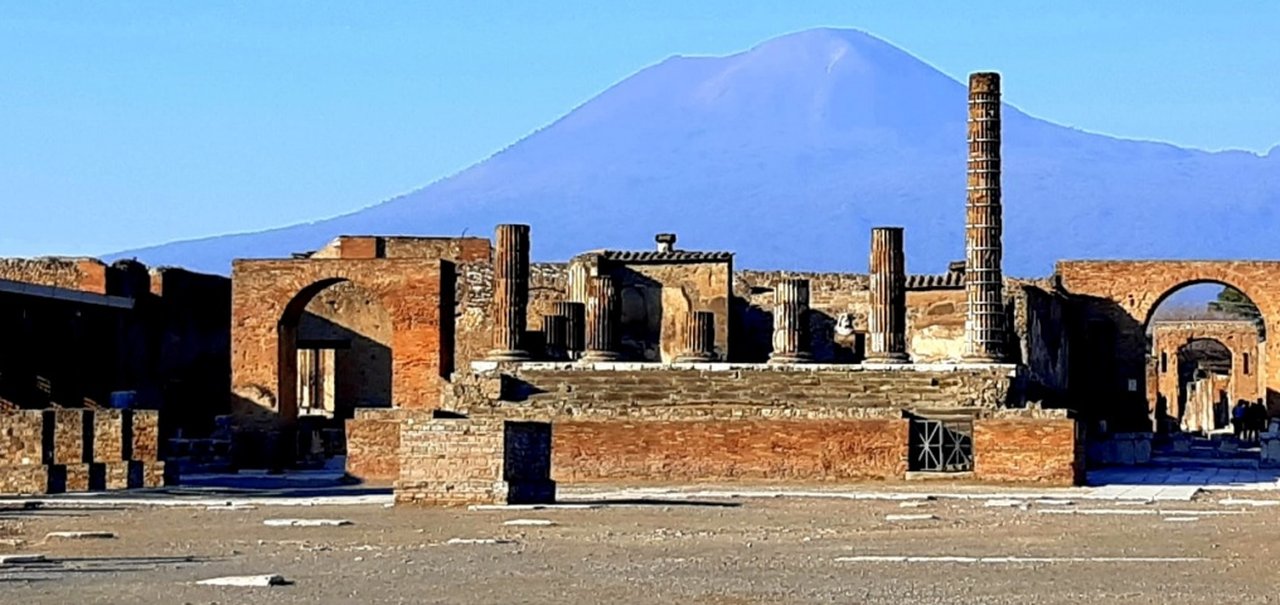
[373,445]
[729,450]
[1027,450]
[262,291]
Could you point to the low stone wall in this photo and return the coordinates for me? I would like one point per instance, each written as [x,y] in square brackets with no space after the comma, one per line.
[373,445]
[70,450]
[462,461]
[1119,449]
[726,450]
[1028,448]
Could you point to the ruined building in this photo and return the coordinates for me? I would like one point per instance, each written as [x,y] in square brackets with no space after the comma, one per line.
[459,371]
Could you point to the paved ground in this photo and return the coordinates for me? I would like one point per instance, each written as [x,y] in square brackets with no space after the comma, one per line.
[684,546]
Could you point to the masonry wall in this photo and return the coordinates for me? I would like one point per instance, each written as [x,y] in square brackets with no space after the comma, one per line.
[462,461]
[755,449]
[266,294]
[1028,448]
[645,423]
[353,322]
[373,445]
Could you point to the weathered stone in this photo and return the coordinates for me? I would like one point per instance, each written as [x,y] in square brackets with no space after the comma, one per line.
[511,292]
[888,319]
[602,321]
[700,338]
[984,281]
[790,323]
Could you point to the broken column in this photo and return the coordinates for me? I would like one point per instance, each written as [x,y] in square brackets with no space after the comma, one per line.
[699,338]
[575,314]
[790,322]
[602,320]
[888,319]
[983,283]
[555,335]
[510,292]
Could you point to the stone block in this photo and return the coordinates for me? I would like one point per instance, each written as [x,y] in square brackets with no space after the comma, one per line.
[461,461]
[22,438]
[1125,452]
[85,476]
[32,479]
[1142,451]
[124,474]
[68,436]
[146,435]
[112,435]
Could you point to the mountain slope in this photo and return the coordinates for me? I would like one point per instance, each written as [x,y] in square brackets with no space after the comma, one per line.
[788,153]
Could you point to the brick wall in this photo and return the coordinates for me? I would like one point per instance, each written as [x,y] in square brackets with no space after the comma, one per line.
[1028,449]
[267,293]
[21,438]
[373,445]
[52,451]
[549,391]
[729,450]
[461,461]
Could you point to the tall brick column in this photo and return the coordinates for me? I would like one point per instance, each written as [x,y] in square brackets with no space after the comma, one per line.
[699,338]
[602,320]
[888,319]
[575,314]
[510,292]
[983,279]
[790,322]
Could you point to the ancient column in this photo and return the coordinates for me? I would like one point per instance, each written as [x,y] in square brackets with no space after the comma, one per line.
[790,322]
[983,279]
[602,321]
[555,333]
[510,292]
[575,314]
[699,338]
[888,319]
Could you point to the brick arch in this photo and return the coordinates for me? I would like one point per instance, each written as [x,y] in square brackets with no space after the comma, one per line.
[1127,293]
[268,294]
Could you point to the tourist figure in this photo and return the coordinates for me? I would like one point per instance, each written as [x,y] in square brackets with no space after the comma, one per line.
[1237,420]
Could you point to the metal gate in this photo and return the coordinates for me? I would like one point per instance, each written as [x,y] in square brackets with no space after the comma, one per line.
[941,446]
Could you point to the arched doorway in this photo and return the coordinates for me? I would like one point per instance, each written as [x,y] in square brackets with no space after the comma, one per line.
[334,344]
[1205,344]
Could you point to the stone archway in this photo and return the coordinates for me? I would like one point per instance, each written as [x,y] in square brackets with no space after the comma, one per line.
[335,351]
[1122,296]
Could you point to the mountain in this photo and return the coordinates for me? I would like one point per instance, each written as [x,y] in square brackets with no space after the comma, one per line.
[788,154]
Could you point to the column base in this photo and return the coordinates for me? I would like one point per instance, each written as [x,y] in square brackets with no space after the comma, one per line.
[600,356]
[508,355]
[887,358]
[981,359]
[695,358]
[791,358]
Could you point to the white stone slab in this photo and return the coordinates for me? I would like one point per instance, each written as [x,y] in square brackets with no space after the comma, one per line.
[80,535]
[1181,519]
[306,522]
[925,517]
[530,522]
[1004,503]
[250,581]
[479,541]
[21,559]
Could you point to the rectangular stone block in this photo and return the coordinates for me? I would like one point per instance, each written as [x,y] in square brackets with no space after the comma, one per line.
[124,474]
[112,435]
[68,436]
[461,461]
[22,437]
[85,476]
[32,479]
[146,435]
[373,446]
[1029,450]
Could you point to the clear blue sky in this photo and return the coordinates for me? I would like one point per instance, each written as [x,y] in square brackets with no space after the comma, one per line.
[132,123]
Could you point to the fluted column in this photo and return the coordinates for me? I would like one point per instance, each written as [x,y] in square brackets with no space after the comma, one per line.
[510,292]
[699,338]
[888,319]
[602,320]
[983,283]
[790,322]
[575,314]
[555,333]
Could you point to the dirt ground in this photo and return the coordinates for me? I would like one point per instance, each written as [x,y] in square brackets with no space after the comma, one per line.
[749,550]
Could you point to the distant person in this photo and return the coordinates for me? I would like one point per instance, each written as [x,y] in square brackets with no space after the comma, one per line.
[1237,420]
[1258,417]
